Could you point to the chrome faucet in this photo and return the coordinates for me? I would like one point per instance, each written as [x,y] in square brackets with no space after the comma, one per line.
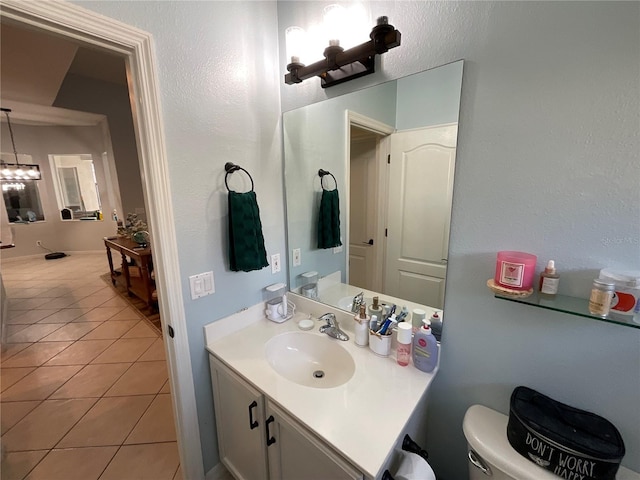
[332,328]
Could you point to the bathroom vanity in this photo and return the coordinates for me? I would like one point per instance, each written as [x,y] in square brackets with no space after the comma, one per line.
[275,420]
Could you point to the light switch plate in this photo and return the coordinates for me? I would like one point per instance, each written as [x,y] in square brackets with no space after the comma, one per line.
[275,263]
[202,285]
[296,257]
[337,249]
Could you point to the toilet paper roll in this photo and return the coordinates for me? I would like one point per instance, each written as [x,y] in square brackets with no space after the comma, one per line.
[413,467]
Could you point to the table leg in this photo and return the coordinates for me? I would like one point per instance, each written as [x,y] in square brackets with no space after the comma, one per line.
[125,271]
[113,273]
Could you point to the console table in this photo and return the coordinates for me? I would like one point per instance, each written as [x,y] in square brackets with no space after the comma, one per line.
[142,285]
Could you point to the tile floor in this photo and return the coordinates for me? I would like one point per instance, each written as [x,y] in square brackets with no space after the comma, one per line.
[84,386]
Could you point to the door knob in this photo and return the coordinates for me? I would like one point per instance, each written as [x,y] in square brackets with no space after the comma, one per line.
[370,242]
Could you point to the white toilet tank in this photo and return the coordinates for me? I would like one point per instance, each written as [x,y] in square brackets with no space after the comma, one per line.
[491,456]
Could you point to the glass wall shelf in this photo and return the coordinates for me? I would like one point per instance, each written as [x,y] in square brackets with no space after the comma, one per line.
[570,305]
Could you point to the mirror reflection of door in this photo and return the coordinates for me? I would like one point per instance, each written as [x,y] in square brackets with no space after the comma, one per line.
[368,154]
[70,188]
[421,188]
[76,187]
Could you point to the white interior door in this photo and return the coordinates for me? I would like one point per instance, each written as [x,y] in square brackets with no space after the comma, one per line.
[420,192]
[363,192]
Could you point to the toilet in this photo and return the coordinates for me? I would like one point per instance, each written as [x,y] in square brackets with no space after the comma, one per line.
[491,456]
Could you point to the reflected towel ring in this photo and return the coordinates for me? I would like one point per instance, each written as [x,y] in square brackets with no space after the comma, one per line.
[230,168]
[322,174]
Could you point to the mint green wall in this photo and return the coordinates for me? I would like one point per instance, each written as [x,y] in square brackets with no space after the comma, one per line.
[439,99]
[547,163]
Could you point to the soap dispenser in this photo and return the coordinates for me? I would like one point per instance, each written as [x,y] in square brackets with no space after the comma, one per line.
[425,348]
[375,308]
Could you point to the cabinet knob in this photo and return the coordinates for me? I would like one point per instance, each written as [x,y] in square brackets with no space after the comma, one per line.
[252,423]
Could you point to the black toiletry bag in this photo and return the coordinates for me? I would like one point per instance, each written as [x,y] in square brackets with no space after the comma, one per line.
[571,443]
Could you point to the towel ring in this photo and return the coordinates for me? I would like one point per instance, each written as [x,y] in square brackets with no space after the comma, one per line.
[230,168]
[322,174]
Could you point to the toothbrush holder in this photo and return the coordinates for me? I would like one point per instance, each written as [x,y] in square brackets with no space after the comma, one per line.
[380,344]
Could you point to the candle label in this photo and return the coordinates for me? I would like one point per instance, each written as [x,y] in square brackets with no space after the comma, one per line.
[512,274]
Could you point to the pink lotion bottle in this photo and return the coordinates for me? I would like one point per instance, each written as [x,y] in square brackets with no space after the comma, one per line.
[403,350]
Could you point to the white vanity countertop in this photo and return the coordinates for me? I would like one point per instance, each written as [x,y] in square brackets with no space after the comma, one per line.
[361,419]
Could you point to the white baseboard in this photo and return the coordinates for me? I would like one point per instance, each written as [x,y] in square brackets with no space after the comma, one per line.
[219,472]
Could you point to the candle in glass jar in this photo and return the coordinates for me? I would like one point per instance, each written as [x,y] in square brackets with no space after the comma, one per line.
[515,270]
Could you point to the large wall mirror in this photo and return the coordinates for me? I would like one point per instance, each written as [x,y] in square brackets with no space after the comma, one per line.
[390,151]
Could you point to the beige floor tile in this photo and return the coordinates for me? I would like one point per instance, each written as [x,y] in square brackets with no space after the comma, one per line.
[12,412]
[124,350]
[73,464]
[141,379]
[10,376]
[156,425]
[11,330]
[99,314]
[91,381]
[80,353]
[40,383]
[115,302]
[64,315]
[33,333]
[89,302]
[157,461]
[30,316]
[166,388]
[127,313]
[46,424]
[82,292]
[32,303]
[108,422]
[155,352]
[36,354]
[71,331]
[141,330]
[178,475]
[10,349]
[17,465]
[110,329]
[59,302]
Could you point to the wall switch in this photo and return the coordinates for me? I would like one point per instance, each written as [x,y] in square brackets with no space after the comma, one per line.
[275,263]
[337,249]
[296,257]
[201,285]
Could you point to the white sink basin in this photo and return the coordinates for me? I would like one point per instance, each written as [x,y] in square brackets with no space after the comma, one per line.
[310,360]
[345,303]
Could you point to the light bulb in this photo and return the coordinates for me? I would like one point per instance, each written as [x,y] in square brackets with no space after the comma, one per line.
[335,19]
[296,40]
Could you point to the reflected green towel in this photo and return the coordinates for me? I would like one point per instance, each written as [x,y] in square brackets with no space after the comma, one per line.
[246,243]
[329,220]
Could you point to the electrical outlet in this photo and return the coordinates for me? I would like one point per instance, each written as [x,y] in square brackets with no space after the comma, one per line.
[275,263]
[296,257]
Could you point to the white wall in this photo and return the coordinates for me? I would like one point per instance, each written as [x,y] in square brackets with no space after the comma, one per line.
[55,234]
[218,76]
[547,163]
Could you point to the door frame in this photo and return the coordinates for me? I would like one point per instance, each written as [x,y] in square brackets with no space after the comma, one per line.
[383,130]
[135,46]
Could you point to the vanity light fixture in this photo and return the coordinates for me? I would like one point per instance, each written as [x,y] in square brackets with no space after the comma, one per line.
[341,65]
[10,172]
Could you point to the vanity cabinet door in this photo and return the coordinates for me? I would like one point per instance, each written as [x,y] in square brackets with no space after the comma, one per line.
[240,424]
[296,454]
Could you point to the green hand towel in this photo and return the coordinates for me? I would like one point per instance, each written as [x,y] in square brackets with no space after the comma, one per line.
[329,220]
[246,243]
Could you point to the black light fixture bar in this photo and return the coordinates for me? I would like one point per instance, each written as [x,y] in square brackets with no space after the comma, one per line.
[341,65]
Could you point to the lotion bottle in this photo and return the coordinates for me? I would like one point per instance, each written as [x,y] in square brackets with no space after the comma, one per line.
[361,327]
[375,308]
[425,348]
[549,281]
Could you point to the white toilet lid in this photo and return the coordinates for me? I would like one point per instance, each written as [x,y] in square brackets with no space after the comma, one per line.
[486,433]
